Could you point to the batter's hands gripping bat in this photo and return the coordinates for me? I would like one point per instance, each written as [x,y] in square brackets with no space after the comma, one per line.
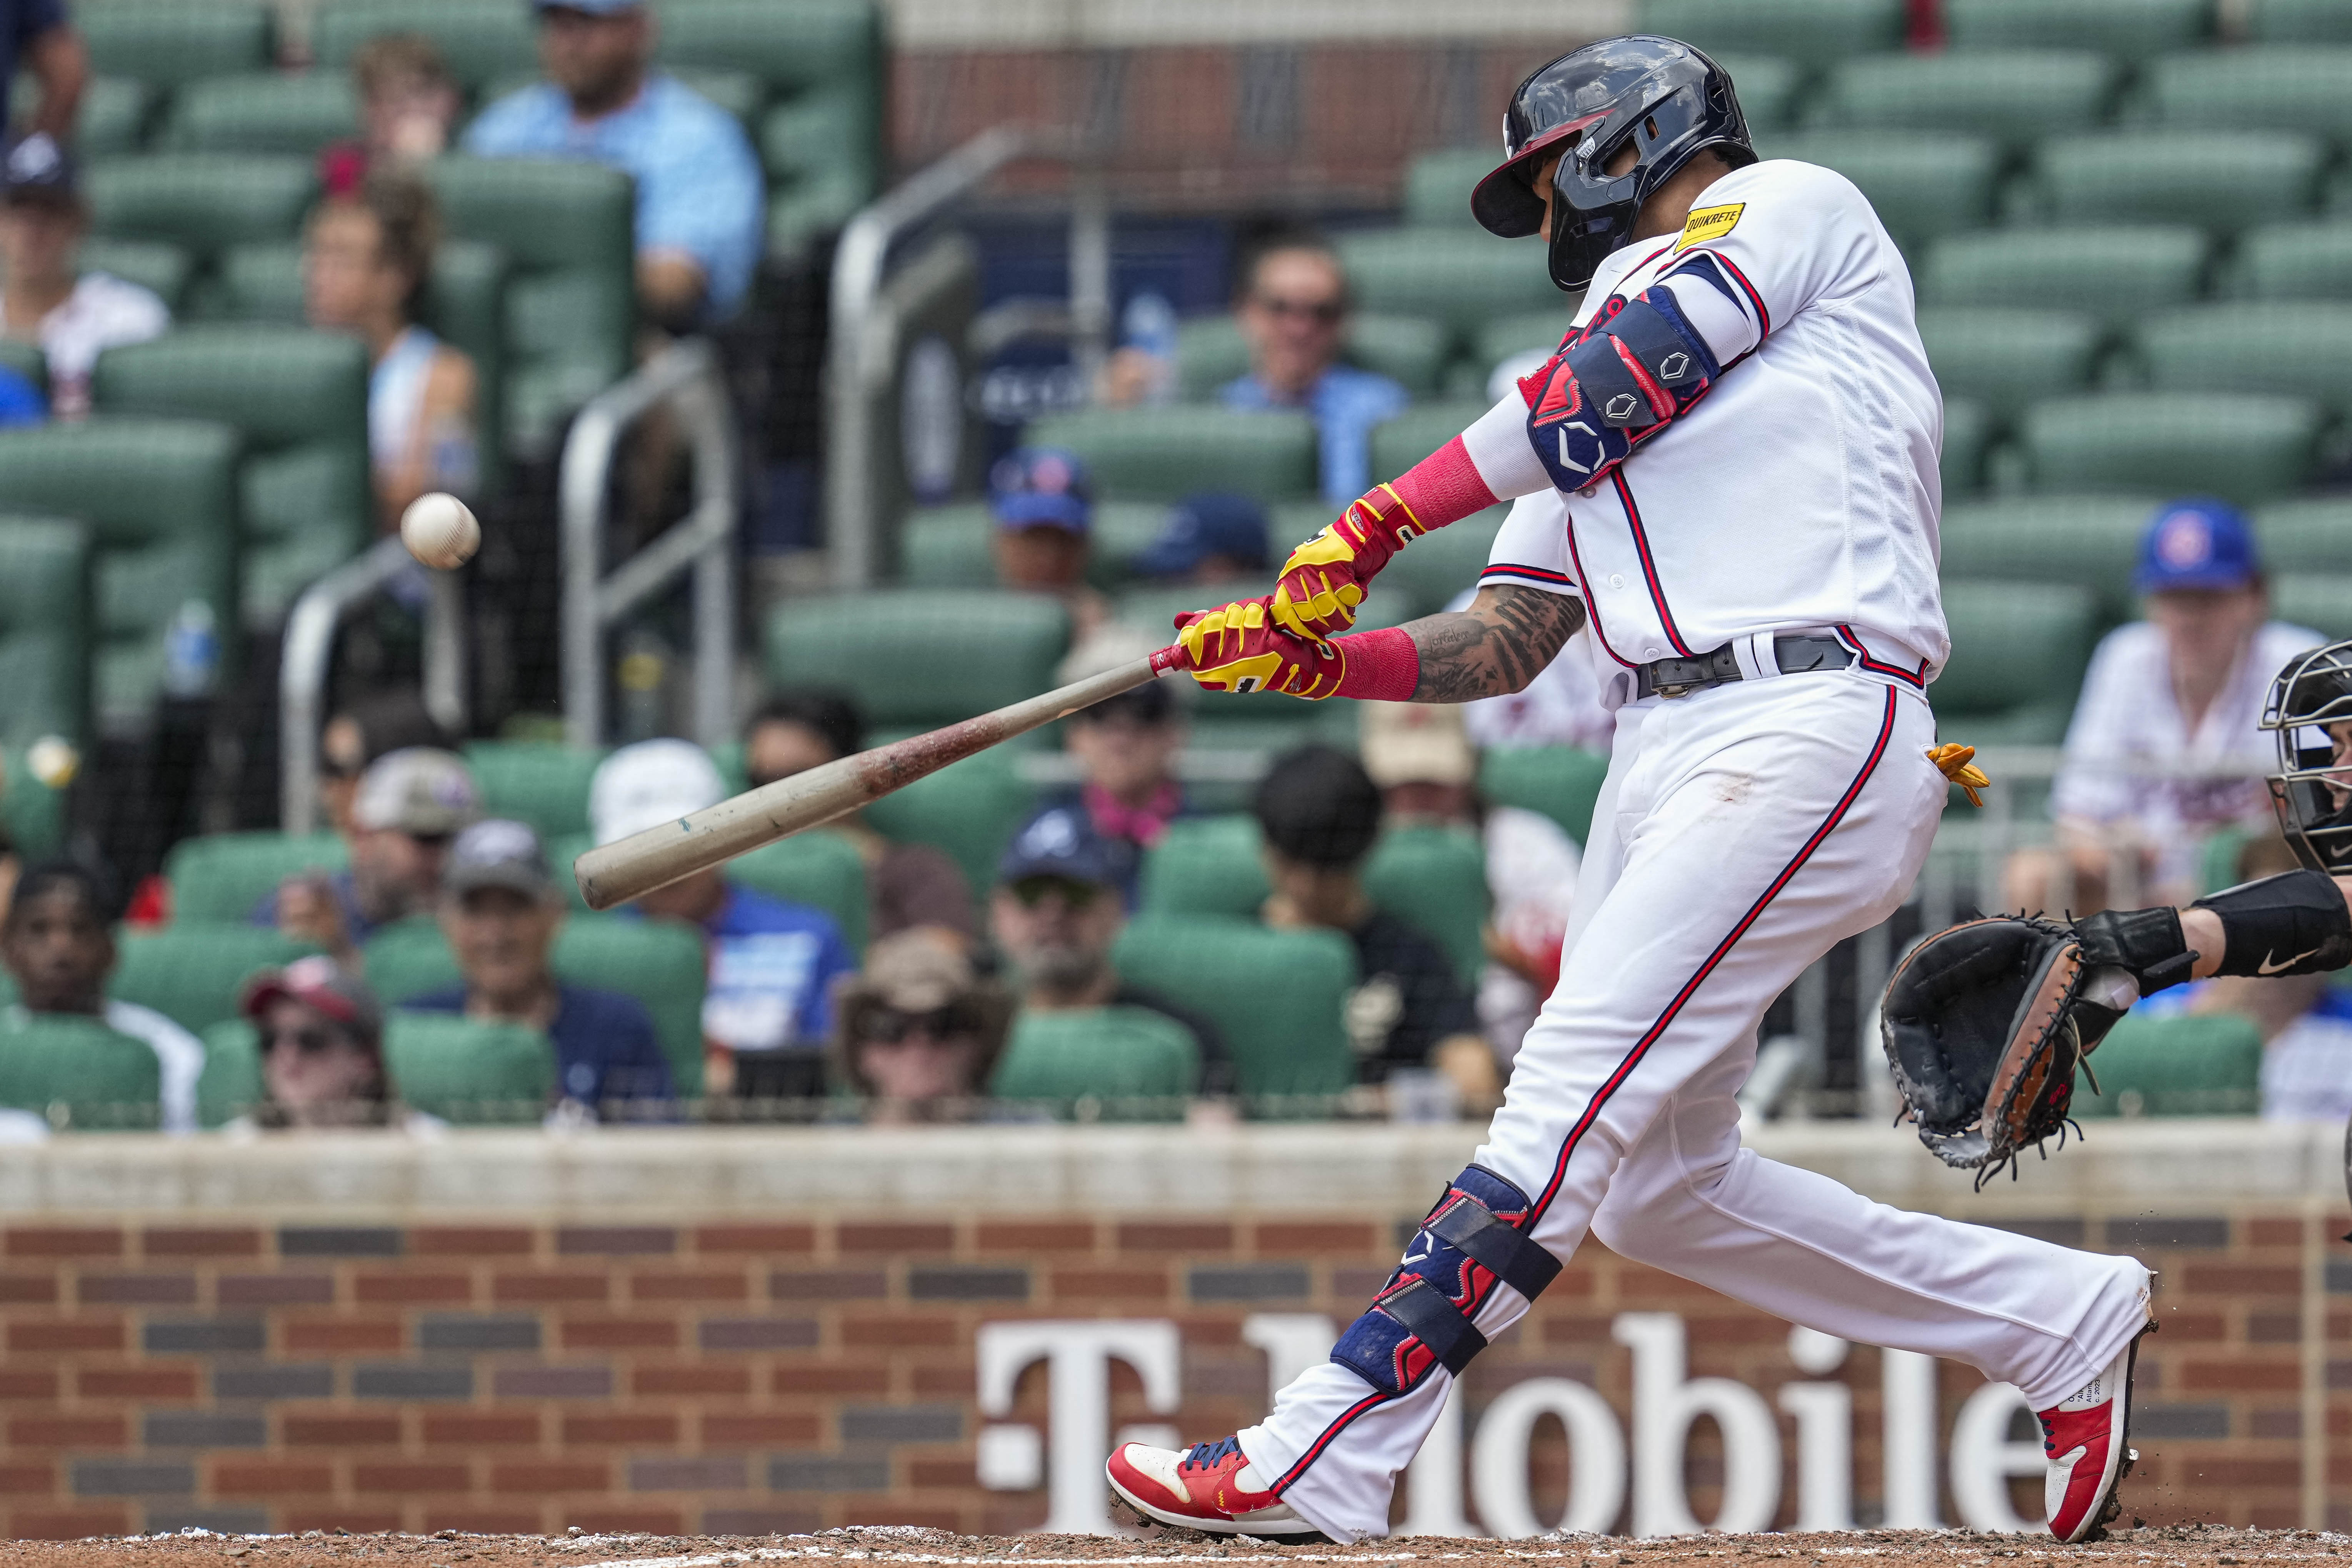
[615,873]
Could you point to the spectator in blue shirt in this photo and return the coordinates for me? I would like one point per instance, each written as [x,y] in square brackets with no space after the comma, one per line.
[500,910]
[701,198]
[1293,310]
[409,804]
[768,1012]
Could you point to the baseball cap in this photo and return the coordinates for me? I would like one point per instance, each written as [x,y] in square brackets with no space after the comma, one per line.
[1058,842]
[1416,743]
[2197,543]
[1041,485]
[34,168]
[1200,526]
[318,981]
[914,972]
[649,784]
[591,8]
[417,790]
[498,853]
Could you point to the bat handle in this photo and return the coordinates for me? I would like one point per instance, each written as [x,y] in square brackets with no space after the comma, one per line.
[1167,658]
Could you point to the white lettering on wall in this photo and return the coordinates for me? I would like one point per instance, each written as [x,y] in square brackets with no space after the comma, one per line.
[1983,1460]
[1906,1384]
[1824,1416]
[1665,1403]
[1077,1357]
[1596,1455]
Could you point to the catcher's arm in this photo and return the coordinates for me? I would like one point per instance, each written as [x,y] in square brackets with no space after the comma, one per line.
[2297,923]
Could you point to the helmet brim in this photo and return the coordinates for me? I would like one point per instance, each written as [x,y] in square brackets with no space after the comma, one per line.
[1504,202]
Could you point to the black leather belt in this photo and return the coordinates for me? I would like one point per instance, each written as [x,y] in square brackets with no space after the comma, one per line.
[1681,677]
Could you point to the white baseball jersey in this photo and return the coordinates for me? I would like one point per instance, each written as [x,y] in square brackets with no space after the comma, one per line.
[1800,493]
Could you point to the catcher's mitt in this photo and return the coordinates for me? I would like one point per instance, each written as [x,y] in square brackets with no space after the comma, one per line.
[1984,1023]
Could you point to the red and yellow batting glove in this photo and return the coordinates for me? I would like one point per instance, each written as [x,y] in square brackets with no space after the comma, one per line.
[1239,648]
[1323,581]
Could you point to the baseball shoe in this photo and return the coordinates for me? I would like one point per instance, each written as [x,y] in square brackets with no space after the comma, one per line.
[1194,1488]
[2085,1437]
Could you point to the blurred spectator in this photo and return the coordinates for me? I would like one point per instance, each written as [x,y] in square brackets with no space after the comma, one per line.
[409,804]
[1044,504]
[1419,753]
[918,1032]
[57,943]
[1209,540]
[1319,812]
[1126,748]
[702,196]
[1054,914]
[767,1014]
[500,910]
[38,38]
[359,734]
[45,299]
[907,885]
[2182,690]
[1292,307]
[322,1038]
[366,257]
[409,102]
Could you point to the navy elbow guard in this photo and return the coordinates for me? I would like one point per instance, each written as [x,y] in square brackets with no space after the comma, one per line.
[1624,381]
[1474,1237]
[2295,923]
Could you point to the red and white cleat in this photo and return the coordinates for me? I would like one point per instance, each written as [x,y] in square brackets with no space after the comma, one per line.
[2086,1437]
[1195,1489]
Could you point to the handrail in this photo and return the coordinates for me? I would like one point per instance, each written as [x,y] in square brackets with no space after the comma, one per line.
[686,376]
[309,645]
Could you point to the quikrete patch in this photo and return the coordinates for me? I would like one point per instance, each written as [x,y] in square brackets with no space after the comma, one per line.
[1710,223]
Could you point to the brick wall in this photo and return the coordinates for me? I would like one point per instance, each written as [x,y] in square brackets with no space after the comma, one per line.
[812,1371]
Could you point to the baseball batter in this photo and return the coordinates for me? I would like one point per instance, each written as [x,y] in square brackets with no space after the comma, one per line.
[1727,478]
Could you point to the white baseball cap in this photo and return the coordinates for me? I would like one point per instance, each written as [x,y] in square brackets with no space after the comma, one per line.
[648,783]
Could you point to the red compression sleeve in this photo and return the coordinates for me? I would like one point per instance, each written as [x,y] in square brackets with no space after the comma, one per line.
[1444,487]
[1383,666]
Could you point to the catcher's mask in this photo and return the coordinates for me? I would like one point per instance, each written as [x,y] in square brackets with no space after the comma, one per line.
[1662,95]
[2313,792]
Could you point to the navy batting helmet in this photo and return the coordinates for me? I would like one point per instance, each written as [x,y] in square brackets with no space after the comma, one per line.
[1664,97]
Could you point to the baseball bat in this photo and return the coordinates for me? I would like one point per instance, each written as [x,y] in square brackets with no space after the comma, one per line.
[616,872]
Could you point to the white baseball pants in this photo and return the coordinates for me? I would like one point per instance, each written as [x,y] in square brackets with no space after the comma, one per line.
[1741,832]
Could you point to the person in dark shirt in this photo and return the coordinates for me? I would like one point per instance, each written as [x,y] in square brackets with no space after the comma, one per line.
[37,37]
[1319,812]
[408,805]
[500,910]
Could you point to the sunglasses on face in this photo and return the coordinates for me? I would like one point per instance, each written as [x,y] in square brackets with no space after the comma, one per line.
[1322,312]
[889,1026]
[1035,891]
[309,1039]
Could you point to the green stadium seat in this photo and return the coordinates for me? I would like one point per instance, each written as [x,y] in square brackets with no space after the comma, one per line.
[821,870]
[1535,331]
[2293,261]
[2318,600]
[467,1072]
[543,783]
[267,112]
[46,610]
[2298,22]
[2248,447]
[32,808]
[299,398]
[2300,349]
[152,264]
[920,656]
[2117,274]
[1922,184]
[2090,541]
[113,117]
[2018,650]
[1424,577]
[1398,444]
[223,877]
[1205,865]
[570,321]
[1406,349]
[168,43]
[1967,441]
[2003,356]
[821,169]
[2128,29]
[27,360]
[159,496]
[970,809]
[1768,87]
[193,971]
[1563,783]
[1109,1064]
[202,201]
[2300,87]
[1437,186]
[2008,96]
[1462,277]
[1434,879]
[2308,534]
[482,43]
[230,1084]
[2218,180]
[78,1073]
[1811,32]
[1162,454]
[948,546]
[1279,995]
[2203,1064]
[740,93]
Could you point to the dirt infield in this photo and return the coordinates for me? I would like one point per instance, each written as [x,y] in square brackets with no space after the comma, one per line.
[2173,1546]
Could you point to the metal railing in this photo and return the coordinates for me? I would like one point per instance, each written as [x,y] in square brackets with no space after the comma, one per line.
[685,378]
[310,647]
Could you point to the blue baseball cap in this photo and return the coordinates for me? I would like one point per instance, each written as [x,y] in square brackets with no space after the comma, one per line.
[2197,543]
[1041,486]
[1211,523]
[1059,842]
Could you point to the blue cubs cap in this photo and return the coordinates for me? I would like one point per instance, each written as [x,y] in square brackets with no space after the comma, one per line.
[1059,842]
[2197,543]
[1041,485]
[1200,526]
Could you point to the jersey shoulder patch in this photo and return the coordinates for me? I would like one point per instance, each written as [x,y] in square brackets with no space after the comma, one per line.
[1710,223]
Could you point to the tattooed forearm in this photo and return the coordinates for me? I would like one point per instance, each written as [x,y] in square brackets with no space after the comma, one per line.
[1497,645]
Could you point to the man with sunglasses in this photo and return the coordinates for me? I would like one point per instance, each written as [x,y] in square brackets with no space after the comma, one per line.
[410,804]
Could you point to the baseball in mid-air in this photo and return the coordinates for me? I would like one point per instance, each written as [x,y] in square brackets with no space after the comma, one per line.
[440,531]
